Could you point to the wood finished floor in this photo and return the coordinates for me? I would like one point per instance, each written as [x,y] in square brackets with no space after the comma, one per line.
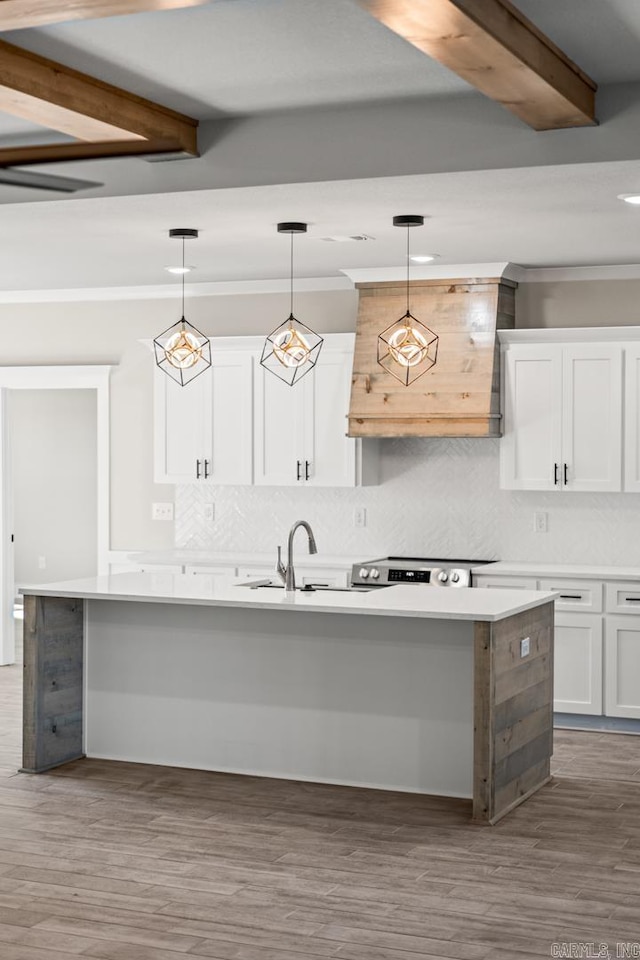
[130,862]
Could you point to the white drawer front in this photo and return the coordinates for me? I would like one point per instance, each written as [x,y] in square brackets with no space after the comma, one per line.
[623,597]
[506,583]
[583,595]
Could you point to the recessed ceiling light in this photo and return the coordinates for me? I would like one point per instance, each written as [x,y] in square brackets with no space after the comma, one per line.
[423,257]
[179,270]
[633,198]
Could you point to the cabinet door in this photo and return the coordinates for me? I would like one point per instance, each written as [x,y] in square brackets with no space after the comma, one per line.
[622,667]
[592,417]
[577,663]
[279,419]
[329,455]
[182,428]
[531,445]
[505,583]
[231,423]
[632,419]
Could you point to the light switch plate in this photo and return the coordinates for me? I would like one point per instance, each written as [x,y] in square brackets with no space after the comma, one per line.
[162,511]
[525,647]
[360,517]
[209,511]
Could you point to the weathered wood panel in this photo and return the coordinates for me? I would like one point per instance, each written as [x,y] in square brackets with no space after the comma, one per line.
[53,682]
[460,395]
[513,711]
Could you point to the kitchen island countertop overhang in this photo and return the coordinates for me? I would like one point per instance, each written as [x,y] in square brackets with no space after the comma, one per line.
[425,689]
[402,600]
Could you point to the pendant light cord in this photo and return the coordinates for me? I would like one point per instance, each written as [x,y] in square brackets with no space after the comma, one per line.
[183,278]
[408,262]
[291,300]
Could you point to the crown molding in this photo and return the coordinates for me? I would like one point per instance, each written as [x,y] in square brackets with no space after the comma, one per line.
[230,288]
[615,271]
[168,291]
[437,271]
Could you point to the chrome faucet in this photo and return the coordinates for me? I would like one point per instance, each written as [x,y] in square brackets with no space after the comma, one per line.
[287,574]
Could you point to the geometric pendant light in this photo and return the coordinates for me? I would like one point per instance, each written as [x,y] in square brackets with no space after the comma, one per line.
[407,348]
[181,350]
[292,349]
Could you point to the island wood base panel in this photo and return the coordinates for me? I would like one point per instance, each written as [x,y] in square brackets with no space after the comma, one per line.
[53,682]
[512,696]
[513,711]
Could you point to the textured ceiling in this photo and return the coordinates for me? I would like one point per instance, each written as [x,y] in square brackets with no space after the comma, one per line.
[536,217]
[601,36]
[260,56]
[247,56]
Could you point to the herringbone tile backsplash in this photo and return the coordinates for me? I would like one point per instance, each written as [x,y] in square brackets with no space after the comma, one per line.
[435,498]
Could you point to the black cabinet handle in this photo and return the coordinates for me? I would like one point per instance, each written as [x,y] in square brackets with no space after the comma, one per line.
[206,469]
[632,599]
[571,596]
[197,469]
[306,469]
[298,470]
[565,474]
[555,474]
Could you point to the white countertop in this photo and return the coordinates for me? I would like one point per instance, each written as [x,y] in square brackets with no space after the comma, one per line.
[403,600]
[239,559]
[503,568]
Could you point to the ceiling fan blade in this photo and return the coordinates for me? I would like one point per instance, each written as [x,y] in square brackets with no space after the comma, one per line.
[43,181]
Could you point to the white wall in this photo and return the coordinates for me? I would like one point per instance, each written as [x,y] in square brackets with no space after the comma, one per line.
[108,333]
[584,303]
[53,458]
[438,498]
[447,489]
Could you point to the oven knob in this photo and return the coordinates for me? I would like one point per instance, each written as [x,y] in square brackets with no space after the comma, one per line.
[364,573]
[375,573]
[455,577]
[443,576]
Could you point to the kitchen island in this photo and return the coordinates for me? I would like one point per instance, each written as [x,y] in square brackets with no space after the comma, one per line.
[424,689]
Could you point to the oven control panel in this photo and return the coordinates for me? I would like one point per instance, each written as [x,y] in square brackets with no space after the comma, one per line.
[437,573]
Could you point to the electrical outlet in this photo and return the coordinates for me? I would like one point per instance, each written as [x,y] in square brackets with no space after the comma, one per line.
[525,647]
[540,521]
[162,511]
[360,517]
[209,511]
[42,563]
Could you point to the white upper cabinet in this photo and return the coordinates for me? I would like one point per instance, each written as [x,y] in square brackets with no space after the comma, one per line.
[632,419]
[300,431]
[563,417]
[237,423]
[203,430]
[532,440]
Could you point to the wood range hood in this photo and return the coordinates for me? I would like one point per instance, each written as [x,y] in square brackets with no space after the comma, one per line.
[460,395]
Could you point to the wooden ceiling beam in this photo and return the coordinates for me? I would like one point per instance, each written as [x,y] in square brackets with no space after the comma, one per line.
[495,48]
[57,97]
[21,14]
[100,150]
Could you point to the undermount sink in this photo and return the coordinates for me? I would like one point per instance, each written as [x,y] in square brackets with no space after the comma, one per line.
[310,588]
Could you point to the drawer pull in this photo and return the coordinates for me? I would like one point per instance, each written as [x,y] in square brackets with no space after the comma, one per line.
[571,596]
[632,599]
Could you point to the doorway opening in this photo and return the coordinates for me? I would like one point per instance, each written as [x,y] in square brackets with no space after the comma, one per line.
[54,481]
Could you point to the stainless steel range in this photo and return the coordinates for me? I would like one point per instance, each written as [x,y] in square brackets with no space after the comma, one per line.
[391,570]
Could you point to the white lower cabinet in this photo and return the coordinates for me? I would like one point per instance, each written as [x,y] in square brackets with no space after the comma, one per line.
[578,638]
[577,665]
[622,667]
[217,570]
